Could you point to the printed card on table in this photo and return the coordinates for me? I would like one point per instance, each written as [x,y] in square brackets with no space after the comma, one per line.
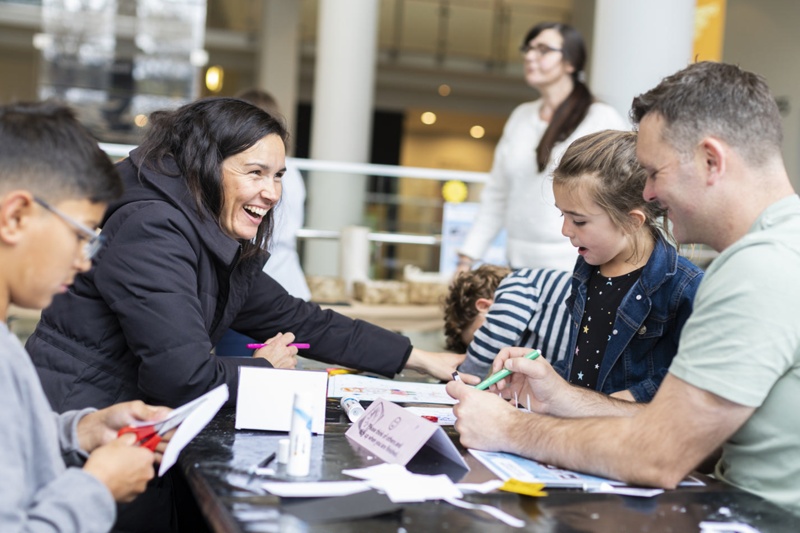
[368,389]
[396,435]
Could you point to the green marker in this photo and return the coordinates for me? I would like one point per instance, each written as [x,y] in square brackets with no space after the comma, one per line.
[497,376]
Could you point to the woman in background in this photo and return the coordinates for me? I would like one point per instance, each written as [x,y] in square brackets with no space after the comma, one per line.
[519,195]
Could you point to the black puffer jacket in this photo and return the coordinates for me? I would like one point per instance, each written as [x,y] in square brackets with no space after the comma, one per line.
[167,284]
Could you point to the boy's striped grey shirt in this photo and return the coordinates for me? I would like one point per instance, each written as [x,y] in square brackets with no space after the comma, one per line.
[528,311]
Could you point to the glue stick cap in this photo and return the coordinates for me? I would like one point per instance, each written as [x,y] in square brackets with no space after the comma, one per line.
[283,451]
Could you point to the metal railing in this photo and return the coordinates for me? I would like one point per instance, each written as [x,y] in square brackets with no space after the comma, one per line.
[392,171]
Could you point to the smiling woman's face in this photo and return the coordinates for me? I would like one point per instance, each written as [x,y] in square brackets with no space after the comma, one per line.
[251,184]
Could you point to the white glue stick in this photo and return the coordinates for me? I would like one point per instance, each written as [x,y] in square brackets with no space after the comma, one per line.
[300,437]
[283,451]
[352,408]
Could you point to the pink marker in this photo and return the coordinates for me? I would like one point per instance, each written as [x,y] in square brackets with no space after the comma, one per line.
[298,345]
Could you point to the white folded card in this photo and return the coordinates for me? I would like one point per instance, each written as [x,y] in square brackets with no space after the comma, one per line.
[265,397]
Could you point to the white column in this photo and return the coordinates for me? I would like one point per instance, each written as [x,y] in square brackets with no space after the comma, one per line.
[637,43]
[341,123]
[279,55]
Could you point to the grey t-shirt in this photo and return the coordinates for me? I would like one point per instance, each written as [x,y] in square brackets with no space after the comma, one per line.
[742,343]
[38,493]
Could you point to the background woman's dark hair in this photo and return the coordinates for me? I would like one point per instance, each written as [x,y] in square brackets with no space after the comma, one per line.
[198,137]
[568,116]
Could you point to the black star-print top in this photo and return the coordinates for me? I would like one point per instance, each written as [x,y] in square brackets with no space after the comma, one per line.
[603,298]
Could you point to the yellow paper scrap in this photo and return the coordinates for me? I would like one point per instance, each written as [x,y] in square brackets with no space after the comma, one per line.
[523,487]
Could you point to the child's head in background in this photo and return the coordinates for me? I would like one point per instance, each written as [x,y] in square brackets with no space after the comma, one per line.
[598,186]
[471,294]
[55,184]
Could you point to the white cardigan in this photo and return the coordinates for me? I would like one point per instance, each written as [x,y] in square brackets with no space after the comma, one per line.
[520,198]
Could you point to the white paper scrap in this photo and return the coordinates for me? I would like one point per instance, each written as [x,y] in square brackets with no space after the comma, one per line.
[481,488]
[382,470]
[314,489]
[416,488]
[627,491]
[402,486]
[726,527]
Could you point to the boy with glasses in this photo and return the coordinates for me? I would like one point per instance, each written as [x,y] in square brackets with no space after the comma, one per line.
[55,183]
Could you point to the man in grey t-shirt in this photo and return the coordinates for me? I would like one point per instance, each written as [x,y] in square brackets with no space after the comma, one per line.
[710,140]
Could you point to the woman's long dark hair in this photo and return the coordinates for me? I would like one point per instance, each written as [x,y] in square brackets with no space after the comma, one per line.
[199,136]
[569,115]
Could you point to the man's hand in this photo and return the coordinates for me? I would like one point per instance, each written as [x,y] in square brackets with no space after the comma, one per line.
[101,427]
[277,352]
[440,365]
[122,466]
[483,419]
[533,383]
[536,385]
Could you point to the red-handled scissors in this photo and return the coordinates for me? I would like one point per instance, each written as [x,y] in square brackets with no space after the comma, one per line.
[149,435]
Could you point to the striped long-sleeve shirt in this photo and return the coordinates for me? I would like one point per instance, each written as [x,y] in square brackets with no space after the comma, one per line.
[528,311]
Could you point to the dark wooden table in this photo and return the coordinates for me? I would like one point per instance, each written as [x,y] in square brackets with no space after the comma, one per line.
[215,465]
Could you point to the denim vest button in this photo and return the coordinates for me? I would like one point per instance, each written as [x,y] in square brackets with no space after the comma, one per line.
[614,332]
[642,330]
[638,296]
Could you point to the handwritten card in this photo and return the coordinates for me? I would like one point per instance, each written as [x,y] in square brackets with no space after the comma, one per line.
[266,395]
[396,435]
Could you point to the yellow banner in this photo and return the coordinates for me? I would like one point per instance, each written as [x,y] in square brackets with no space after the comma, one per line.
[709,30]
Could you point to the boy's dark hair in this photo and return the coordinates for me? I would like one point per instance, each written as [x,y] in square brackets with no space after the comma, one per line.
[198,137]
[44,149]
[459,306]
[715,99]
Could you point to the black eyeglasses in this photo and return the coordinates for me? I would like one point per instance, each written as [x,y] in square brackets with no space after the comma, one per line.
[92,241]
[540,49]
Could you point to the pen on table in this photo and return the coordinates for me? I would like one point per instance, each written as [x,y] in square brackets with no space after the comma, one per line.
[298,345]
[267,460]
[263,464]
[497,376]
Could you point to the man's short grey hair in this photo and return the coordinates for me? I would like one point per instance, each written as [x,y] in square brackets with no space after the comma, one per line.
[718,100]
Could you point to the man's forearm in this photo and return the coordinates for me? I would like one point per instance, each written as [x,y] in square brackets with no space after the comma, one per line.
[590,445]
[580,402]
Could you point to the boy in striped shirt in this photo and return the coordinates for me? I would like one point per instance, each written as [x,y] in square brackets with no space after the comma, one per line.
[492,307]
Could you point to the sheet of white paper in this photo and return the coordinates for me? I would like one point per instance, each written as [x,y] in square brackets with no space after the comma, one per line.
[508,465]
[369,389]
[314,489]
[203,410]
[266,396]
[444,415]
